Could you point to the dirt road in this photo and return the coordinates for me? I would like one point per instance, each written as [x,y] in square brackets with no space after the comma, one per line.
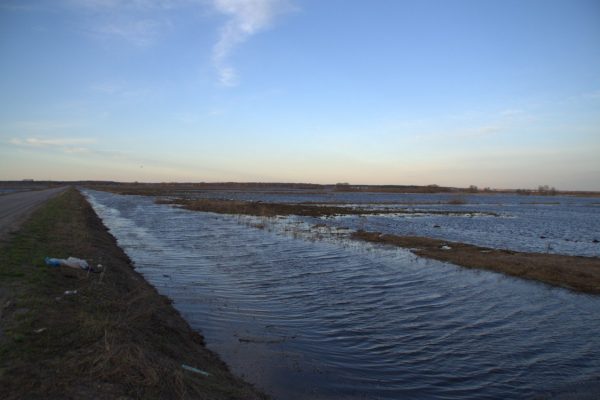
[16,207]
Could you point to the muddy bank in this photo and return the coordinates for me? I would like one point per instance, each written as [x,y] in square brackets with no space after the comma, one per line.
[262,209]
[572,272]
[115,337]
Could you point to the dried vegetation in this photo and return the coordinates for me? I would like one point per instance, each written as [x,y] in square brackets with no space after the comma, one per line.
[573,272]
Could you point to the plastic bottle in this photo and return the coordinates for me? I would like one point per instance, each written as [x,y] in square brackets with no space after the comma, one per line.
[53,262]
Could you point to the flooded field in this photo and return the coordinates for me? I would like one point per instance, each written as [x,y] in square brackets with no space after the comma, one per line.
[553,224]
[303,312]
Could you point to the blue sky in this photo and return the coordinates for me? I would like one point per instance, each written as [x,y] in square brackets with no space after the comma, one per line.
[492,93]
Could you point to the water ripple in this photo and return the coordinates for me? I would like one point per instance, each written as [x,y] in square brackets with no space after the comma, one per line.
[338,320]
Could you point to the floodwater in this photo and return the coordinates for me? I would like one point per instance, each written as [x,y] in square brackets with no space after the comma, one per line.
[302,317]
[542,224]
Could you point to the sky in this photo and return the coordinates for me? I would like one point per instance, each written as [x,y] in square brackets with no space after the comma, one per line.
[493,93]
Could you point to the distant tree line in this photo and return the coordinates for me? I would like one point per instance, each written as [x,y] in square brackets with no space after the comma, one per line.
[543,190]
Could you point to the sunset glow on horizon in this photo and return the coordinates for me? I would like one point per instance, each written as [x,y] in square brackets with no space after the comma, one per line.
[502,94]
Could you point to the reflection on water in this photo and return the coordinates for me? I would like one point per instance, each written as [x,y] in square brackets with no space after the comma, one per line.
[340,320]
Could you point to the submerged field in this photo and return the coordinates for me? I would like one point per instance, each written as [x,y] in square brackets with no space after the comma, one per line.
[298,307]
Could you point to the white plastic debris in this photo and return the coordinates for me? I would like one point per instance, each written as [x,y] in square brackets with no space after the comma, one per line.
[446,247]
[72,262]
[76,263]
[196,370]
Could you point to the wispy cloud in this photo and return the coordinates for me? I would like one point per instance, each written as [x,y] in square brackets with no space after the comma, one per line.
[595,95]
[17,5]
[141,23]
[65,145]
[479,132]
[45,142]
[139,32]
[460,133]
[82,147]
[130,4]
[35,127]
[144,23]
[119,90]
[511,112]
[246,18]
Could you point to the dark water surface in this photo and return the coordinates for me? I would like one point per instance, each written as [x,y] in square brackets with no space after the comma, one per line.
[334,319]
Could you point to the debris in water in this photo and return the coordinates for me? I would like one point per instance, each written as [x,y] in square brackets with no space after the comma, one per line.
[263,340]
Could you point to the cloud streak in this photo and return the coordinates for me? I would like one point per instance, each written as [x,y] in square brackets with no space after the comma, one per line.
[66,145]
[245,19]
[141,23]
[139,32]
[144,23]
[49,142]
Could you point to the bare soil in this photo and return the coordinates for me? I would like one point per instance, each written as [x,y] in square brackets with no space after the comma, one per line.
[116,337]
[577,273]
[258,208]
[261,209]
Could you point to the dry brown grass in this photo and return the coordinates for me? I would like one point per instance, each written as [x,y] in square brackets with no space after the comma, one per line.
[257,208]
[573,272]
[266,209]
[457,200]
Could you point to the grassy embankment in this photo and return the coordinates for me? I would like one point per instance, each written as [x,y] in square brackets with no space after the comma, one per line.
[576,273]
[115,338]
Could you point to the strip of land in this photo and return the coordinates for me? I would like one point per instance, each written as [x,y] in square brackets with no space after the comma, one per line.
[572,272]
[66,333]
[167,188]
[262,209]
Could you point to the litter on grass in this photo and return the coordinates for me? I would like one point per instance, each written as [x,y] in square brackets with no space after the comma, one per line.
[196,370]
[69,262]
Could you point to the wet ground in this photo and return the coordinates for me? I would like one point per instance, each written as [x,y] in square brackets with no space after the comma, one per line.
[553,224]
[305,313]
